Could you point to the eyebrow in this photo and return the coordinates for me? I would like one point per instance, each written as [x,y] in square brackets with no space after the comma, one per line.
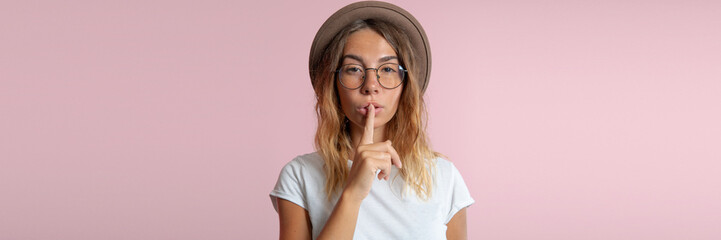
[357,58]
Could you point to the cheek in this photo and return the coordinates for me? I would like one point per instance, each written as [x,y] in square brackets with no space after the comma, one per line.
[345,102]
[397,99]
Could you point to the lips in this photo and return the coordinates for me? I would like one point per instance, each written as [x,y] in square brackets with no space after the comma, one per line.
[364,109]
[376,105]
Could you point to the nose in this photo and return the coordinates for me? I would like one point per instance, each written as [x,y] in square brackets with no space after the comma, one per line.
[370,85]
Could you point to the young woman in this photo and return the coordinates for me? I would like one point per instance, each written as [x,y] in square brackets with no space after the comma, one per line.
[374,175]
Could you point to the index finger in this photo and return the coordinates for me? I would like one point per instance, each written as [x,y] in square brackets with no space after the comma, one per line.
[367,137]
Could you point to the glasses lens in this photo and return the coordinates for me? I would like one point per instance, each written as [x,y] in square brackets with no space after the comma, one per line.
[351,75]
[391,75]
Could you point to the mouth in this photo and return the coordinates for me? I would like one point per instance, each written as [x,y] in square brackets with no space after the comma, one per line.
[363,110]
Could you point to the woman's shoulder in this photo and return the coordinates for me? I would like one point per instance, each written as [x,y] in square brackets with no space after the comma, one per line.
[312,158]
[445,168]
[441,160]
[443,164]
[305,162]
[297,178]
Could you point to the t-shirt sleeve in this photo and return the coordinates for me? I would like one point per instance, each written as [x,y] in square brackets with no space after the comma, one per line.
[290,185]
[460,197]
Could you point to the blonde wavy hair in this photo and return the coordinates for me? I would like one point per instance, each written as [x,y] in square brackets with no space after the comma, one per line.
[406,129]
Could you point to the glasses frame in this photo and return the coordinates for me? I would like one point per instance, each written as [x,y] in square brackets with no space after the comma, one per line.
[378,77]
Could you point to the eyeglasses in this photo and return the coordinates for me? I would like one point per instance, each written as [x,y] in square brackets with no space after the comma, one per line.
[389,75]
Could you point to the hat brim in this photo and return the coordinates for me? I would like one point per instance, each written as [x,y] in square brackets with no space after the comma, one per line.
[382,11]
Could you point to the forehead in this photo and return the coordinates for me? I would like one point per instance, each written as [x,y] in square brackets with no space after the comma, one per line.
[368,45]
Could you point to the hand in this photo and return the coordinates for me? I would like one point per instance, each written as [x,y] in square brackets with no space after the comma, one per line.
[369,158]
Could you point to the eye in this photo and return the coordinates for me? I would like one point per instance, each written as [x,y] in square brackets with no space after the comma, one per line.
[352,70]
[389,69]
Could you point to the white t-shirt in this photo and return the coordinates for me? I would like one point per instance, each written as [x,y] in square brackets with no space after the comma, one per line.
[383,213]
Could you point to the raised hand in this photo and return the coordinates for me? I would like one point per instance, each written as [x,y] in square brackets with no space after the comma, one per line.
[369,158]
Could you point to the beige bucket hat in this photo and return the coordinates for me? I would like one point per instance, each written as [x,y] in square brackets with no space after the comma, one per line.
[382,11]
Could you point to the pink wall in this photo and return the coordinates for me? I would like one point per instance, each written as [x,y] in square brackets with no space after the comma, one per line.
[172,119]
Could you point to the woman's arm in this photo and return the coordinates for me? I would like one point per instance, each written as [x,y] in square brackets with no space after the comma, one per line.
[342,221]
[294,221]
[457,226]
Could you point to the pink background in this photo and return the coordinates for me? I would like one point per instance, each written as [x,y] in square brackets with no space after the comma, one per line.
[172,119]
